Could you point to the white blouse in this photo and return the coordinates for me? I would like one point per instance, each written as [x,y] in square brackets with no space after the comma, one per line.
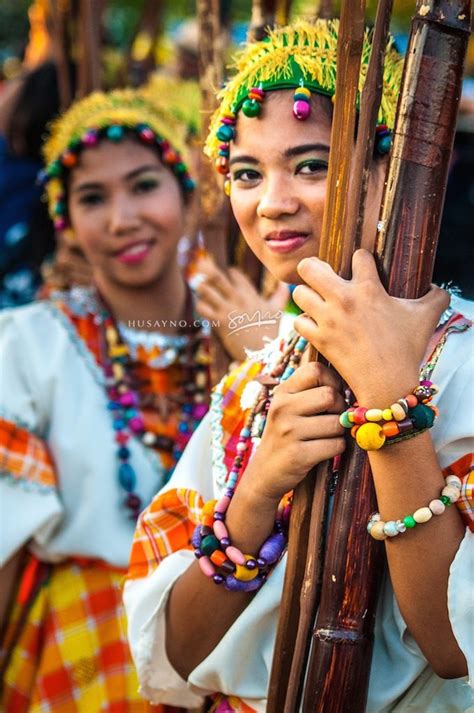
[401,680]
[51,385]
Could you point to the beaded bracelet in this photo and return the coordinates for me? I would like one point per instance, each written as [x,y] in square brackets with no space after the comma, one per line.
[224,562]
[380,530]
[408,417]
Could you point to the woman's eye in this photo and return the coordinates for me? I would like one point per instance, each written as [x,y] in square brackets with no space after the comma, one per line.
[246,175]
[312,167]
[146,185]
[91,199]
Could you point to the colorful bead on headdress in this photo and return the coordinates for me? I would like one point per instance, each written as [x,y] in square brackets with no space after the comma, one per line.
[301,57]
[252,106]
[302,103]
[383,139]
[112,116]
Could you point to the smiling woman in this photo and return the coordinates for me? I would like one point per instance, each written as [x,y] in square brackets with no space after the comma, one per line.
[209,555]
[95,413]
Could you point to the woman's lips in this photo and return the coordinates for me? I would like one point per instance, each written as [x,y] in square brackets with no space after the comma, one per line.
[285,241]
[135,253]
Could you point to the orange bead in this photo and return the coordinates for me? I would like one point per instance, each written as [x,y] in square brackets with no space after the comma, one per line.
[354,430]
[208,508]
[411,400]
[390,429]
[218,558]
[207,520]
[69,159]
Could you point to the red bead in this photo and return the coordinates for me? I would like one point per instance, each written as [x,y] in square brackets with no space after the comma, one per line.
[359,415]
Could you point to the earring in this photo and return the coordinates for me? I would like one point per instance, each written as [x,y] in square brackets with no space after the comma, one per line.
[301,105]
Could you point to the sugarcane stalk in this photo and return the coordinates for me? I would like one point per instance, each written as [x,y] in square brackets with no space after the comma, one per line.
[301,591]
[338,672]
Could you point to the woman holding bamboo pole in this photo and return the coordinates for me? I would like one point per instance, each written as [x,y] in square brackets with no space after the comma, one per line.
[208,626]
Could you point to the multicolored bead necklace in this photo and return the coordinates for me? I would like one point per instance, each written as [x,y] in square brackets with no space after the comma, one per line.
[124,403]
[217,557]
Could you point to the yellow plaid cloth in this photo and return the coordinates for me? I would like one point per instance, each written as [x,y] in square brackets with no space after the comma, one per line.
[70,653]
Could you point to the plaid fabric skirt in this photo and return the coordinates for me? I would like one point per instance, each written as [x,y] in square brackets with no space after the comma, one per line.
[65,649]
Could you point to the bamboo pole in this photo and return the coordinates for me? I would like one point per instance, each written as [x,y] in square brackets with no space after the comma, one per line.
[338,673]
[89,35]
[60,14]
[301,593]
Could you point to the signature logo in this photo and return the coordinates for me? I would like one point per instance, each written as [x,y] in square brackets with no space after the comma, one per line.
[245,320]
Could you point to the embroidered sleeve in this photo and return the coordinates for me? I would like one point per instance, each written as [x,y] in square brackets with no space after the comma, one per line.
[166,526]
[24,458]
[464,469]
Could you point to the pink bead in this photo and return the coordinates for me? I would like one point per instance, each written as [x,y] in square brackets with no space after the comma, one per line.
[127,399]
[301,110]
[136,424]
[60,224]
[235,555]
[222,504]
[437,507]
[229,122]
[90,139]
[199,411]
[220,530]
[147,135]
[206,566]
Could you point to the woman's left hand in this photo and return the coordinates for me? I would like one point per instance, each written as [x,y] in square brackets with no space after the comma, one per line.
[375,341]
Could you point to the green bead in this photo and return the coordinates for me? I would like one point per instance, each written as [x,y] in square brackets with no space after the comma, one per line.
[225,133]
[75,144]
[115,133]
[344,420]
[300,97]
[409,521]
[422,416]
[251,108]
[180,168]
[60,208]
[54,169]
[445,500]
[209,545]
[384,144]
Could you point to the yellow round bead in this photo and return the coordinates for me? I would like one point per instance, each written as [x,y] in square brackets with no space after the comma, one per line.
[242,573]
[377,531]
[370,437]
[303,90]
[111,335]
[350,416]
[398,412]
[374,414]
[208,508]
[387,414]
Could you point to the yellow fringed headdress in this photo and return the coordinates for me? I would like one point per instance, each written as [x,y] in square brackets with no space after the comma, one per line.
[111,116]
[301,56]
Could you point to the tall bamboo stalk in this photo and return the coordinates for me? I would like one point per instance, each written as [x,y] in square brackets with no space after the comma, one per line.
[89,36]
[300,594]
[338,672]
[60,14]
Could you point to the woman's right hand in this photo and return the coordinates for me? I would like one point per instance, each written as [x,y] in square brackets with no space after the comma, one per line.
[302,430]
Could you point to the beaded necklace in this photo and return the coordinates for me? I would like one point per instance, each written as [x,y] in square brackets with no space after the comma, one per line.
[123,392]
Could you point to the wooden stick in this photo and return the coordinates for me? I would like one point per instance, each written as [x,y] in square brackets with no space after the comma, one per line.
[301,593]
[61,45]
[371,96]
[89,66]
[338,674]
[422,144]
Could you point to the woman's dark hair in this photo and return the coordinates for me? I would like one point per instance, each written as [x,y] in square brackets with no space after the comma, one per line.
[36,105]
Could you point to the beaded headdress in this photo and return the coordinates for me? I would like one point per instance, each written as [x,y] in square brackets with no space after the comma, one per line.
[113,116]
[302,57]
